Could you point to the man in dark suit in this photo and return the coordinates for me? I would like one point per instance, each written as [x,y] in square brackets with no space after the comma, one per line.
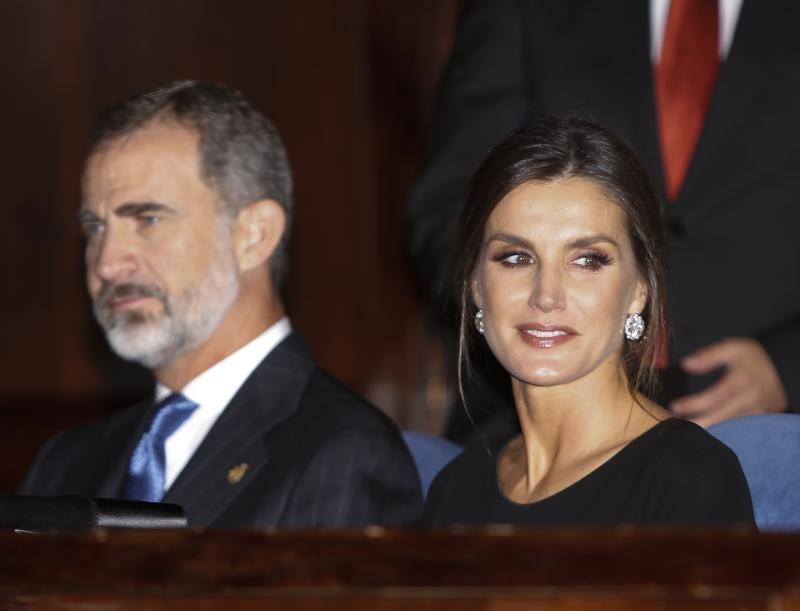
[730,208]
[186,208]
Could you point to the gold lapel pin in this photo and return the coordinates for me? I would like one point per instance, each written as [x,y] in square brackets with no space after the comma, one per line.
[235,474]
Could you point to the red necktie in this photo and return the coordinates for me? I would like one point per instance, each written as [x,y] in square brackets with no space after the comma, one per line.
[685,79]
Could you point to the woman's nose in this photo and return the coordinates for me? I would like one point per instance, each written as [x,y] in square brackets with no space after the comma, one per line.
[547,292]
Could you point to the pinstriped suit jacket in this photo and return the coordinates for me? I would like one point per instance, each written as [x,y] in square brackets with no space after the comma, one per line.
[317,455]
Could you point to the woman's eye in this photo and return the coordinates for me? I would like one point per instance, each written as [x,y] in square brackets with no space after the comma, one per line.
[593,260]
[514,259]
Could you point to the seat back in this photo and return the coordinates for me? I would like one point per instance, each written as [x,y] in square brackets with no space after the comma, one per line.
[768,447]
[430,454]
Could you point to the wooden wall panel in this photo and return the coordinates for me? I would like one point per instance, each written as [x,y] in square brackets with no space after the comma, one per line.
[408,44]
[349,84]
[31,231]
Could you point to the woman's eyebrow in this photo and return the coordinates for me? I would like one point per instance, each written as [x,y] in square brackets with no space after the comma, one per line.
[510,239]
[592,240]
[583,242]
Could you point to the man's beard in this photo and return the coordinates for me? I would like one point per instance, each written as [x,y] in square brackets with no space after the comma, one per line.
[186,320]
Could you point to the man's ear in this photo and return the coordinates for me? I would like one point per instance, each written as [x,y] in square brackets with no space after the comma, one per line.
[259,229]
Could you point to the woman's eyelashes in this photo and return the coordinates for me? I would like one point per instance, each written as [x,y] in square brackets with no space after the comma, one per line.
[591,260]
[513,258]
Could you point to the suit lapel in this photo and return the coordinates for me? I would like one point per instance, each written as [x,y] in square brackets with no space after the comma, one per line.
[269,396]
[741,76]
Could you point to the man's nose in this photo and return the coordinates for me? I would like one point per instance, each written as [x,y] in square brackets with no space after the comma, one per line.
[547,290]
[113,259]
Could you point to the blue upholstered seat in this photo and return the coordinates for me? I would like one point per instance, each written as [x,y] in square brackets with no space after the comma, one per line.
[430,454]
[768,447]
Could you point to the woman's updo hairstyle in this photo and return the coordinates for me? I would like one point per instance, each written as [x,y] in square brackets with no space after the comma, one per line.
[546,149]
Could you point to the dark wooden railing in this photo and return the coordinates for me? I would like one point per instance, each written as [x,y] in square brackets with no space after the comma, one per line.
[497,569]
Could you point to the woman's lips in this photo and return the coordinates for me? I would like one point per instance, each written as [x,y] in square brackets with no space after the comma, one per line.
[545,336]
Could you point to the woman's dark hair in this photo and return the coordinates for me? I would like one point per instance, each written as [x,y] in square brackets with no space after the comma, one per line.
[548,148]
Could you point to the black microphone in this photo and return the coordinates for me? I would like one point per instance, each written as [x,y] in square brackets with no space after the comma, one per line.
[36,513]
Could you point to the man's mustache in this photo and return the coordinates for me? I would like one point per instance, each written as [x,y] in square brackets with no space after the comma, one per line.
[109,292]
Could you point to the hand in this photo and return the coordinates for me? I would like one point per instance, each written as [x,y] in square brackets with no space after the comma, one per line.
[750,384]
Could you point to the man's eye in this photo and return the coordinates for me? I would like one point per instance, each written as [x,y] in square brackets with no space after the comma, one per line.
[92,228]
[148,219]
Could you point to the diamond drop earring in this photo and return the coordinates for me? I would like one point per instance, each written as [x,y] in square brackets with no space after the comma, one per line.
[479,322]
[634,327]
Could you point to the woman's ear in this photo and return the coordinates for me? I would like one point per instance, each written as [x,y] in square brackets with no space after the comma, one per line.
[639,301]
[259,229]
[475,291]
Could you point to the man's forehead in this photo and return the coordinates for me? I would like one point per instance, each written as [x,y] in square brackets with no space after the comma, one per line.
[155,140]
[159,157]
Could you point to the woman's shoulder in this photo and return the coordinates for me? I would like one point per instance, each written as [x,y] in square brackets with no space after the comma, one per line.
[692,477]
[469,479]
[675,443]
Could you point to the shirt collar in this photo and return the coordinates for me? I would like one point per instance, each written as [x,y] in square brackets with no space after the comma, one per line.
[215,387]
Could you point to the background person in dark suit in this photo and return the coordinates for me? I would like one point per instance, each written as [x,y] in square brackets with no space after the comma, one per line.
[730,182]
[186,209]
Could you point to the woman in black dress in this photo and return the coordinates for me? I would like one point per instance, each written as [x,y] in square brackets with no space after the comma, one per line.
[560,270]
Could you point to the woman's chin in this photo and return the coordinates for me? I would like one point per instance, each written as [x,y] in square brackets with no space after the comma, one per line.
[544,376]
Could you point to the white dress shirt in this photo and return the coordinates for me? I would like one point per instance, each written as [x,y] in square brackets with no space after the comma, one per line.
[212,390]
[728,18]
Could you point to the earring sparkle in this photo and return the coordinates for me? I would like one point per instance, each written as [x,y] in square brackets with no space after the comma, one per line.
[479,322]
[634,327]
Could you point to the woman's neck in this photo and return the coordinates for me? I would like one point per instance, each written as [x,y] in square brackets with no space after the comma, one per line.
[569,428]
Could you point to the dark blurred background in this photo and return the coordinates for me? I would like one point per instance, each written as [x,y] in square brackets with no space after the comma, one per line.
[349,83]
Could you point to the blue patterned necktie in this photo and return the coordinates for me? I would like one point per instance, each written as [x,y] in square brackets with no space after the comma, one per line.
[145,479]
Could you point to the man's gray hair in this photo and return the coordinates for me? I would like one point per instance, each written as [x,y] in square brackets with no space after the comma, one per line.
[242,156]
